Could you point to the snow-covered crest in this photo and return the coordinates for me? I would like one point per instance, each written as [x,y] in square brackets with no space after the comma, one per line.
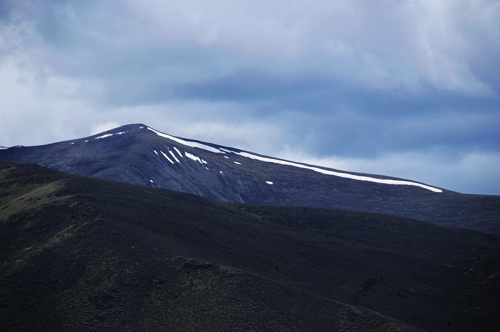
[187,143]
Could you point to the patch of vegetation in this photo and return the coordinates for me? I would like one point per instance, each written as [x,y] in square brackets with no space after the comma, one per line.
[113,256]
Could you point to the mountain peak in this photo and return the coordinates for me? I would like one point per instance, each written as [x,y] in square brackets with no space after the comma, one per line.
[123,129]
[142,155]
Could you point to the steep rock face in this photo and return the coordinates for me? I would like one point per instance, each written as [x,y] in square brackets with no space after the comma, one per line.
[141,155]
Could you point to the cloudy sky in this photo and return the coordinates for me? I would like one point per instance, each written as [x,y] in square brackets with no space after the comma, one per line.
[408,88]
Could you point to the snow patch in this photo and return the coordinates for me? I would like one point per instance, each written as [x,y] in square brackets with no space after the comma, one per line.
[237,163]
[226,157]
[151,181]
[269,182]
[173,155]
[193,157]
[86,140]
[72,143]
[104,136]
[165,155]
[155,152]
[120,133]
[178,152]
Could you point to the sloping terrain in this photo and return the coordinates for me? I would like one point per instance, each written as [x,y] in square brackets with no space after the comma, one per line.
[86,254]
[138,154]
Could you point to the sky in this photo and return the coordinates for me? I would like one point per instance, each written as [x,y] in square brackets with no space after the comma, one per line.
[406,88]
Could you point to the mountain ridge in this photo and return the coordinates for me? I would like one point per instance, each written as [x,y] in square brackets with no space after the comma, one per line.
[212,147]
[141,155]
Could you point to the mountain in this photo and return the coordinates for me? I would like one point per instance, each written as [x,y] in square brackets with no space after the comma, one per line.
[80,253]
[141,155]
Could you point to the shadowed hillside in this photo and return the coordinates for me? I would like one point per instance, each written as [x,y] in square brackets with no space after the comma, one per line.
[140,155]
[86,254]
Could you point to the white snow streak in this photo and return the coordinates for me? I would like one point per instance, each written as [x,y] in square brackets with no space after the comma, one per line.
[165,155]
[269,182]
[120,133]
[155,152]
[193,157]
[237,163]
[177,150]
[184,142]
[173,155]
[339,174]
[104,136]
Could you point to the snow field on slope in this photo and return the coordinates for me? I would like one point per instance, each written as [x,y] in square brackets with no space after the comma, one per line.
[289,163]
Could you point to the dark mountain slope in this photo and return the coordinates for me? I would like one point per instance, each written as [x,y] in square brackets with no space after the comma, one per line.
[141,155]
[85,254]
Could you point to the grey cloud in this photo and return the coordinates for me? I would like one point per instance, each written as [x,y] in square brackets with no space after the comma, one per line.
[305,91]
[250,85]
[388,119]
[347,133]
[5,9]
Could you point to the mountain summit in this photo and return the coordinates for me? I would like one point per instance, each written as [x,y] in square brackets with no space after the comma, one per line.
[141,155]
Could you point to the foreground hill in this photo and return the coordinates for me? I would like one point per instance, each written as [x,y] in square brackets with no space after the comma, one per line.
[141,155]
[80,253]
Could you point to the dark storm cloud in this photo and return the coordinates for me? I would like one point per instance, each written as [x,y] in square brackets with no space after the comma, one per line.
[346,133]
[318,94]
[251,85]
[395,119]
